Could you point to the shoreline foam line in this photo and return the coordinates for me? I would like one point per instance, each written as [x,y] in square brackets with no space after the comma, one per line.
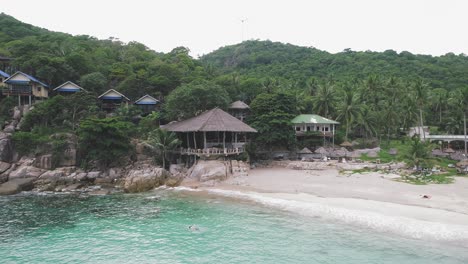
[400,225]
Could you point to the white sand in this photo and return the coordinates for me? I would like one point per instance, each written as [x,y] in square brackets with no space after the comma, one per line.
[371,199]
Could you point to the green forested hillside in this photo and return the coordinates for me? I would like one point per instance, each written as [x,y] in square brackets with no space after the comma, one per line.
[298,64]
[57,57]
[372,94]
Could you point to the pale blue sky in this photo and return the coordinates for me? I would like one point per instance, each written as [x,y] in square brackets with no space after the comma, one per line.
[418,26]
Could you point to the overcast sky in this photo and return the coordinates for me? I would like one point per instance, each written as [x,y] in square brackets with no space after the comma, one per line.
[419,26]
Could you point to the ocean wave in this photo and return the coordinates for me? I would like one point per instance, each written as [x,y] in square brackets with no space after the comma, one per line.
[404,226]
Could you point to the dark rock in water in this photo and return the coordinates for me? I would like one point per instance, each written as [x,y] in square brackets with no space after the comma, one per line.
[16,185]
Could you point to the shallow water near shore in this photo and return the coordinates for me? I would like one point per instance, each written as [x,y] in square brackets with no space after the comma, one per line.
[154,228]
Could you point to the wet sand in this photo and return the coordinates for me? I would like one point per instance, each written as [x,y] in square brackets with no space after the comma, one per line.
[371,193]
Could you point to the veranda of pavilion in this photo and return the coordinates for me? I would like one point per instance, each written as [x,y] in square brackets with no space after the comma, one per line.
[212,133]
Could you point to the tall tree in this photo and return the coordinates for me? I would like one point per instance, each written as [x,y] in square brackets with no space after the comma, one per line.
[324,102]
[420,94]
[349,109]
[163,141]
[271,116]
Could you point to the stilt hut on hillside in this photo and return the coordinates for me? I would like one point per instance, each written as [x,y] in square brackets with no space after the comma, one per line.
[68,88]
[147,104]
[111,99]
[212,133]
[27,88]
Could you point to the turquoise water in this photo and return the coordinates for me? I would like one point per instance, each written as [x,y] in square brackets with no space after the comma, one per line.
[153,228]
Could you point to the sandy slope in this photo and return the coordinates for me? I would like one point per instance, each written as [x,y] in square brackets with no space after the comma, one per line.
[368,192]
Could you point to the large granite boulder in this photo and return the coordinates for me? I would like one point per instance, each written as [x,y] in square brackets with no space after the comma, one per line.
[16,185]
[6,147]
[144,178]
[4,166]
[44,162]
[26,171]
[16,113]
[210,170]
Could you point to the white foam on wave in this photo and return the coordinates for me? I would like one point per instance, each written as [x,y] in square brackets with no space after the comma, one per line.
[183,188]
[405,226]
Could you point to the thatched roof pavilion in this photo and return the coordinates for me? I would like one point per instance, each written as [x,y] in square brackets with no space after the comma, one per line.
[214,120]
[217,128]
[239,105]
[239,110]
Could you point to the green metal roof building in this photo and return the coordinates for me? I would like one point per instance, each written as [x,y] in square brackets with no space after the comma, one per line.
[314,124]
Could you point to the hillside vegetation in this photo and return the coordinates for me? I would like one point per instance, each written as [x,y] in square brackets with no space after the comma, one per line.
[373,94]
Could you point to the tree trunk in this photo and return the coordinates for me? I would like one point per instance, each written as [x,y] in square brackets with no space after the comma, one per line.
[164,159]
[421,121]
[464,122]
[440,115]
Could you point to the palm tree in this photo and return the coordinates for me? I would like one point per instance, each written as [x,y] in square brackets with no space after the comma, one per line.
[409,112]
[311,86]
[459,100]
[368,121]
[438,98]
[349,109]
[164,141]
[420,94]
[325,99]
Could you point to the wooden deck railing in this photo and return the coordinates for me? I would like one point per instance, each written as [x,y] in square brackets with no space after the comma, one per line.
[17,91]
[212,151]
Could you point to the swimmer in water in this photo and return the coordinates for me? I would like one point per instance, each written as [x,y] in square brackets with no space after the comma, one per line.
[193,228]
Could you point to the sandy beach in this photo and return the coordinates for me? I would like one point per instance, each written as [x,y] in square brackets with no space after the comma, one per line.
[372,199]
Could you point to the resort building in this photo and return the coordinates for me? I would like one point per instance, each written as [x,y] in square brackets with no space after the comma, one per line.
[111,100]
[239,110]
[212,133]
[69,88]
[26,87]
[147,104]
[314,125]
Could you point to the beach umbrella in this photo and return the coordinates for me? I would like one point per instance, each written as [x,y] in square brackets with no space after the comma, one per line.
[305,151]
[462,164]
[346,144]
[438,153]
[321,150]
[449,150]
[457,156]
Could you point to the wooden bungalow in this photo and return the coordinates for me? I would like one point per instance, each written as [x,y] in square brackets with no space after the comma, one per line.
[26,87]
[111,100]
[69,88]
[147,104]
[212,133]
[239,110]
